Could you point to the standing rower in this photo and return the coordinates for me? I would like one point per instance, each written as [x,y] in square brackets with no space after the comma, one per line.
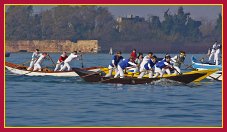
[124,64]
[113,65]
[60,61]
[138,61]
[37,65]
[71,57]
[35,57]
[212,51]
[149,67]
[216,54]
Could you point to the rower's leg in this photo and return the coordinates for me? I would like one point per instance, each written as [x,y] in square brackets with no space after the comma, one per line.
[63,68]
[68,66]
[177,70]
[118,73]
[120,70]
[31,65]
[57,67]
[158,72]
[211,55]
[110,73]
[141,74]
[151,73]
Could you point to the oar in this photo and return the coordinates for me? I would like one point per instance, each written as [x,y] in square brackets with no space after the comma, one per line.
[190,66]
[81,58]
[19,65]
[216,77]
[51,59]
[177,71]
[90,74]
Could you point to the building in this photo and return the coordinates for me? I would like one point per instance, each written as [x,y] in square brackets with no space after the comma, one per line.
[128,19]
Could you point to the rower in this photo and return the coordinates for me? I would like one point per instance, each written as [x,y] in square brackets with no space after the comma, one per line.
[149,67]
[216,54]
[35,56]
[113,65]
[145,60]
[60,61]
[213,49]
[138,61]
[124,64]
[178,60]
[163,66]
[37,65]
[71,57]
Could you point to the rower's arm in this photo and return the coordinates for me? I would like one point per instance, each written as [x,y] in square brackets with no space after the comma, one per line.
[131,63]
[167,64]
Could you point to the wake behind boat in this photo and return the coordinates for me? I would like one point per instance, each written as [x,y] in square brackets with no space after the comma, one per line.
[22,70]
[185,78]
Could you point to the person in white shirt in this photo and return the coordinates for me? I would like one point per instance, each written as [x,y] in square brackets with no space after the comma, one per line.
[145,60]
[60,61]
[35,57]
[213,50]
[113,65]
[178,60]
[163,66]
[216,54]
[124,64]
[71,57]
[37,65]
[149,67]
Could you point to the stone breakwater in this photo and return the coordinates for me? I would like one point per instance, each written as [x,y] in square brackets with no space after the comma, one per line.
[91,46]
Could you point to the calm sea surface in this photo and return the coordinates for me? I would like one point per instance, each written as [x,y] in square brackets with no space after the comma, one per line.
[69,101]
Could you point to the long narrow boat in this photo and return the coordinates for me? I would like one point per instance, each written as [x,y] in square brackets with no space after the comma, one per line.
[198,65]
[185,78]
[130,74]
[22,70]
[202,66]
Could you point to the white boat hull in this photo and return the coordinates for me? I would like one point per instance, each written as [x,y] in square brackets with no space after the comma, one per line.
[38,73]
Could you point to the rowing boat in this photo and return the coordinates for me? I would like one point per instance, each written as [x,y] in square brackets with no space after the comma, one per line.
[202,66]
[185,78]
[22,70]
[131,73]
[199,65]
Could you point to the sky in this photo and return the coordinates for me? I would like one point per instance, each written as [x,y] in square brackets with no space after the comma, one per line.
[197,12]
[209,12]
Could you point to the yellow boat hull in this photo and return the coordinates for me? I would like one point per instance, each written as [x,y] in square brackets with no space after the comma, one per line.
[130,74]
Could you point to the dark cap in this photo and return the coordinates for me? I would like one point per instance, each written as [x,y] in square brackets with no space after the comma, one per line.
[167,56]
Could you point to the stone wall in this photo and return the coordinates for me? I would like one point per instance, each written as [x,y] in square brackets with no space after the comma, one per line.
[52,45]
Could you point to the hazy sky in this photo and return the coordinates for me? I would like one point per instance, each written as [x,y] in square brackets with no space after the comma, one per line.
[209,12]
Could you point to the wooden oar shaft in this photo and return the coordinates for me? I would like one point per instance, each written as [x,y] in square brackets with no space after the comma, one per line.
[51,59]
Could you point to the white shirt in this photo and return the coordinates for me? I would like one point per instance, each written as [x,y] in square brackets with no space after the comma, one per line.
[36,55]
[40,60]
[145,60]
[70,58]
[214,48]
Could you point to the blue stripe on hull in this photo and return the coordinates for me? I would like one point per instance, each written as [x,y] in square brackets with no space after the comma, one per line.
[197,65]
